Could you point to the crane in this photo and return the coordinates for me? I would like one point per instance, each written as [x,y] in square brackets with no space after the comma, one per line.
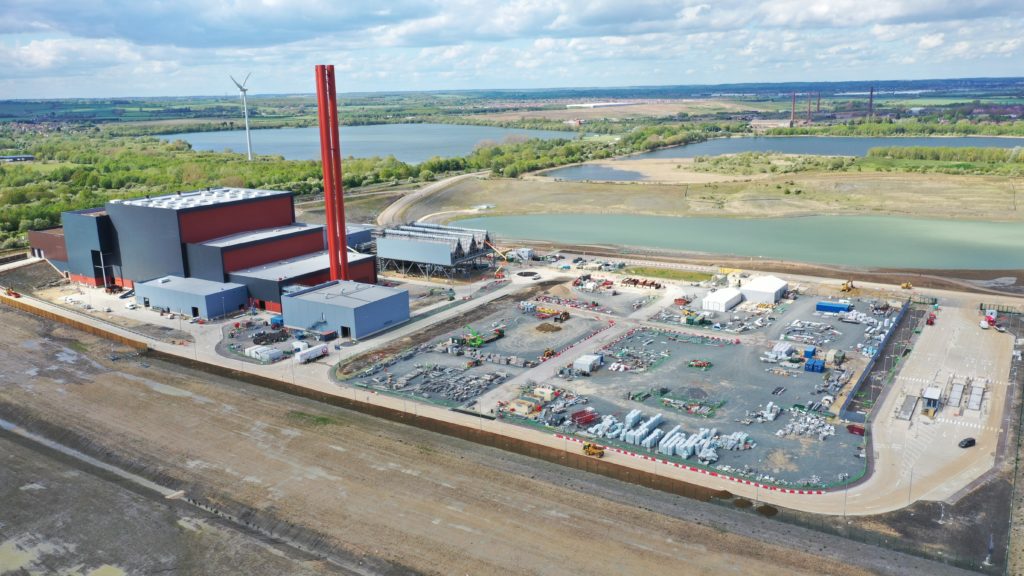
[499,274]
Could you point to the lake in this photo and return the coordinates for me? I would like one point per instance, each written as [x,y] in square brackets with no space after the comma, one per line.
[595,172]
[864,241]
[820,145]
[412,143]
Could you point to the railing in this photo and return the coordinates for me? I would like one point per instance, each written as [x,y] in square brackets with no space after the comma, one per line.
[862,418]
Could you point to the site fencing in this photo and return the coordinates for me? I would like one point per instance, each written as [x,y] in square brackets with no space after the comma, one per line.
[859,417]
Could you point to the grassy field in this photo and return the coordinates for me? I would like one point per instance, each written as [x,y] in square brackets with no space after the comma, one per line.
[667,273]
[361,208]
[806,193]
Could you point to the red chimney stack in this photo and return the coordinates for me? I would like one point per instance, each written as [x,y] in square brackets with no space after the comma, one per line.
[330,156]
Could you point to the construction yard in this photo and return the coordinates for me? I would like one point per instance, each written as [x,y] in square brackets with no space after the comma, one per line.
[742,388]
[292,473]
[462,364]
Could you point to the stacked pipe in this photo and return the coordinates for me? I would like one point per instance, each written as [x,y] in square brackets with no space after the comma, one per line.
[330,156]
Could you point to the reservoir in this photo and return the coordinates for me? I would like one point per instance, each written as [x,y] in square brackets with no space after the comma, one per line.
[412,143]
[820,145]
[863,241]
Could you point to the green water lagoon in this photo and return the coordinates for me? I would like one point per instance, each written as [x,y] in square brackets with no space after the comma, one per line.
[862,241]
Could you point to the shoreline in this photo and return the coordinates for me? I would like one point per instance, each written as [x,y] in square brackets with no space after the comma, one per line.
[957,279]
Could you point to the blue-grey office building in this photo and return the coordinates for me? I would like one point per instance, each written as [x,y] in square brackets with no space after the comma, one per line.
[193,297]
[347,308]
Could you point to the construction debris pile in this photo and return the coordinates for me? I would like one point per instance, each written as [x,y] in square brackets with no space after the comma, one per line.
[702,408]
[769,413]
[642,349]
[470,346]
[573,303]
[641,283]
[813,333]
[809,425]
[450,383]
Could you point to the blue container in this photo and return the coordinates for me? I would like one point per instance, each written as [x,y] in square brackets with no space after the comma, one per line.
[277,321]
[833,307]
[809,352]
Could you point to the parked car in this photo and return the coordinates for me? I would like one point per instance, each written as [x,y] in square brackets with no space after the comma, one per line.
[967,442]
[126,295]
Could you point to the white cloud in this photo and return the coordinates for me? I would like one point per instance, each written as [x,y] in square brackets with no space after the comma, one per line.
[431,44]
[929,41]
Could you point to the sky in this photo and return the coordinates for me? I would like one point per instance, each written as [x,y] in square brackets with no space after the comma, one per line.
[96,48]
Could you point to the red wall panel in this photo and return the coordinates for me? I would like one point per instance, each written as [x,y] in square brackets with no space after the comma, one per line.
[265,252]
[217,221]
[364,271]
[316,279]
[52,245]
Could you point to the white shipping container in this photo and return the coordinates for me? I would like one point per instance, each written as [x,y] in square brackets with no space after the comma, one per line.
[311,353]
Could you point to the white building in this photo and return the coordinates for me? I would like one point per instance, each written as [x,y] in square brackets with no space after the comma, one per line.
[587,363]
[722,300]
[764,289]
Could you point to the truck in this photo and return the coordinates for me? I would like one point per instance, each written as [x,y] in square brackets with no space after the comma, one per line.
[591,449]
[310,354]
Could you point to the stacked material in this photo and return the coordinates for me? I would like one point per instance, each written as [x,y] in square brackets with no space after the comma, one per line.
[807,425]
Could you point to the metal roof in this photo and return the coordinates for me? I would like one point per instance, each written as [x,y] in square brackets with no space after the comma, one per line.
[461,241]
[345,294]
[250,236]
[764,284]
[196,286]
[723,295]
[297,267]
[207,197]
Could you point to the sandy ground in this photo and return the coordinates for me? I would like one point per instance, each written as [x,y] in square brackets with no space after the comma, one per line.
[974,197]
[667,170]
[372,489]
[644,108]
[50,525]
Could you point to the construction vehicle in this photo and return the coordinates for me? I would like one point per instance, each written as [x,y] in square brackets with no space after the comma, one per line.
[702,364]
[907,286]
[548,353]
[473,339]
[591,449]
[561,317]
[499,274]
[847,286]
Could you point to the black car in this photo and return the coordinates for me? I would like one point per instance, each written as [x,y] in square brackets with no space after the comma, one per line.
[967,442]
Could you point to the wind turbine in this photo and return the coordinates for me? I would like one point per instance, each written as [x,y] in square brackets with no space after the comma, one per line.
[245,110]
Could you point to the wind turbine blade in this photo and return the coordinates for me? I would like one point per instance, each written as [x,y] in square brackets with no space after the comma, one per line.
[240,86]
[246,81]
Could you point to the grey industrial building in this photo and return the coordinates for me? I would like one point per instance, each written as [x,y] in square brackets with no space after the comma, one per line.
[431,249]
[346,308]
[211,252]
[193,297]
[268,281]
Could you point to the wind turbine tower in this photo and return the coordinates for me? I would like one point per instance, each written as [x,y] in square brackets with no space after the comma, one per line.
[245,110]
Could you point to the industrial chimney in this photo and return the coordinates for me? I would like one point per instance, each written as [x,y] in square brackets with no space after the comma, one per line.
[330,155]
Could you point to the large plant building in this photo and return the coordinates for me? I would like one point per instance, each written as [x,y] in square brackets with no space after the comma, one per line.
[183,251]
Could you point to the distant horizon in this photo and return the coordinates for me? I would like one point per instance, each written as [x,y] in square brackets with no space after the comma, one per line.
[766,86]
[151,48]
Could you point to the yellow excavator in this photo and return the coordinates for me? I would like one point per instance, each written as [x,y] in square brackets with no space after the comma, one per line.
[847,286]
[591,449]
[907,286]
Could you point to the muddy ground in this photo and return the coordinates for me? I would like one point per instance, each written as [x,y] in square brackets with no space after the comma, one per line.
[347,486]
